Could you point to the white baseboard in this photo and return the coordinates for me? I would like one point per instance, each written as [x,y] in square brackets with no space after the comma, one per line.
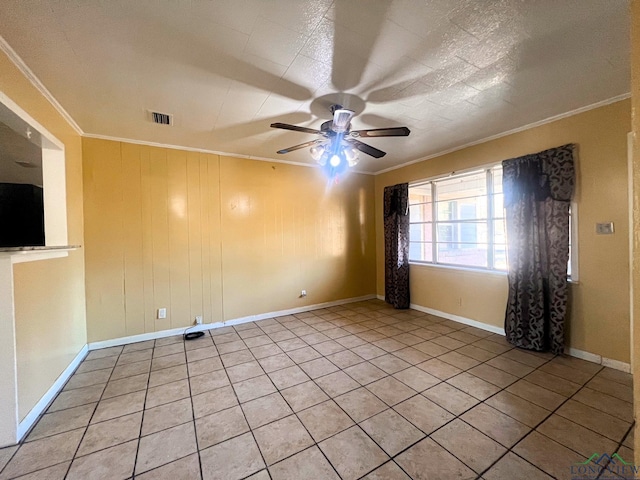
[210,326]
[25,425]
[574,352]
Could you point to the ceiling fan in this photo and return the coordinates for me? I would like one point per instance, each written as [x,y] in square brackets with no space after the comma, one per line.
[338,145]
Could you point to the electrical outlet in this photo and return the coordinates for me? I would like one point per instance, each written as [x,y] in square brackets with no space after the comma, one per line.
[604,228]
[303,293]
[199,320]
[162,313]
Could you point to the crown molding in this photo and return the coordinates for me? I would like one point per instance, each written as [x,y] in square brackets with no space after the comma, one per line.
[529,126]
[35,81]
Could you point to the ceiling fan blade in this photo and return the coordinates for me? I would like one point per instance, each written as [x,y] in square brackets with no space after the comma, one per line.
[381,132]
[295,128]
[302,145]
[364,148]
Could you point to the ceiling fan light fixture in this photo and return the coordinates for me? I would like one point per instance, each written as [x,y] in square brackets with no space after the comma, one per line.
[342,119]
[317,151]
[352,156]
[335,160]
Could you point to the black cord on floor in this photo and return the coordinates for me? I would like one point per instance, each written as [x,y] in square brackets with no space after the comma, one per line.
[192,335]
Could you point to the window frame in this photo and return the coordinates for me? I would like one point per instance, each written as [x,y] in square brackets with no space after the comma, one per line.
[489,220]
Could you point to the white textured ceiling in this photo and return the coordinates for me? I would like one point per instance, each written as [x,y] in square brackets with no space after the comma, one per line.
[453,71]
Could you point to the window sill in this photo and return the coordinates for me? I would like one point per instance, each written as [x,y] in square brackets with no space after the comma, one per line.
[500,273]
[32,254]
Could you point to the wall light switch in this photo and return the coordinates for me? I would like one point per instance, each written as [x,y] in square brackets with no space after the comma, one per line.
[604,228]
[162,313]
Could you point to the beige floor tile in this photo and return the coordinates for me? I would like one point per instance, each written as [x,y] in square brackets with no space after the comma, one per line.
[574,363]
[206,365]
[615,389]
[473,385]
[459,360]
[324,420]
[389,344]
[166,446]
[469,445]
[510,366]
[314,338]
[388,471]
[225,349]
[230,359]
[167,393]
[360,404]
[76,398]
[605,403]
[598,421]
[439,369]
[390,390]
[429,461]
[303,354]
[97,364]
[411,355]
[408,338]
[114,463]
[511,467]
[5,455]
[368,351]
[365,373]
[417,379]
[166,416]
[104,352]
[345,359]
[496,425]
[126,385]
[253,388]
[111,432]
[568,373]
[309,463]
[391,431]
[353,453]
[43,453]
[291,344]
[476,353]
[371,336]
[118,406]
[616,376]
[80,380]
[208,381]
[220,426]
[335,332]
[423,413]
[62,421]
[258,341]
[136,347]
[275,362]
[448,342]
[518,408]
[244,371]
[628,441]
[187,468]
[288,377]
[56,472]
[535,394]
[525,358]
[575,437]
[226,338]
[431,348]
[493,375]
[135,356]
[425,334]
[450,398]
[265,351]
[304,396]
[328,347]
[281,439]
[213,401]
[199,343]
[131,369]
[161,342]
[231,460]
[158,363]
[264,410]
[337,383]
[550,456]
[390,363]
[318,367]
[490,346]
[464,337]
[167,375]
[551,382]
[350,341]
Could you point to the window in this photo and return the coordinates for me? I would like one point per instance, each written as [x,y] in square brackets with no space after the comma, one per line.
[459,220]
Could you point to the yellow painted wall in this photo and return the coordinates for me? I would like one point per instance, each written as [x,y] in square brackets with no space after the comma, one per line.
[599,312]
[49,294]
[635,114]
[216,236]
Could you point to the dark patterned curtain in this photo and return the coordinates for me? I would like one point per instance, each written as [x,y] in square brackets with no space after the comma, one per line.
[537,193]
[396,245]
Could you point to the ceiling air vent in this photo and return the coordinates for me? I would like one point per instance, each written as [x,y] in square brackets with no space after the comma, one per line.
[161,118]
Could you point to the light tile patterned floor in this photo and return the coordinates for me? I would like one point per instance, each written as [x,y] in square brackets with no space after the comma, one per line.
[354,391]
